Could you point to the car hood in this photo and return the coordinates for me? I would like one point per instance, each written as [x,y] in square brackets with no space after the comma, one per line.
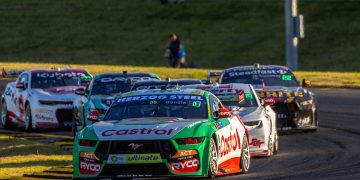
[66,93]
[284,94]
[250,113]
[142,128]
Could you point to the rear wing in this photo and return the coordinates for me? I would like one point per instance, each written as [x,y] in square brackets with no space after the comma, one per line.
[213,76]
[10,73]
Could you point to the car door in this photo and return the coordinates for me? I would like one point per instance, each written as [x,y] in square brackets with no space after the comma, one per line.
[229,135]
[21,95]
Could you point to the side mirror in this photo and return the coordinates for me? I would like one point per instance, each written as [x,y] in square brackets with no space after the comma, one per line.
[224,113]
[268,101]
[80,91]
[94,116]
[306,83]
[20,85]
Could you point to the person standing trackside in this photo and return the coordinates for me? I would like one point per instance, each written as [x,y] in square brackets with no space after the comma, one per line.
[176,52]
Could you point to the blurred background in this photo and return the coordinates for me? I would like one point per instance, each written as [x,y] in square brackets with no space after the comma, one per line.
[216,33]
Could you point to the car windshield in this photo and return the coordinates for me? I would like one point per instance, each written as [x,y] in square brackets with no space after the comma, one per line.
[174,105]
[45,80]
[232,99]
[110,88]
[257,77]
[248,101]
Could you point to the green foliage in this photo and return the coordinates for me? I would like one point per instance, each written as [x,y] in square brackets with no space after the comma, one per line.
[217,34]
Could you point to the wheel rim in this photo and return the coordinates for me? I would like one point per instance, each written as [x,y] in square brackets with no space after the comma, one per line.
[27,118]
[246,157]
[3,114]
[213,158]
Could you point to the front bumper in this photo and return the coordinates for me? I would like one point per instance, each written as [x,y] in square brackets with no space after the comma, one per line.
[258,141]
[291,117]
[54,116]
[171,159]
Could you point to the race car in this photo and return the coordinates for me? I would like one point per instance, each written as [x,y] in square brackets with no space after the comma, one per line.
[101,92]
[168,83]
[258,116]
[295,106]
[42,98]
[152,133]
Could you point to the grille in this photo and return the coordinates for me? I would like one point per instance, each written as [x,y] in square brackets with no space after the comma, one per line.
[135,169]
[164,147]
[70,103]
[288,109]
[64,116]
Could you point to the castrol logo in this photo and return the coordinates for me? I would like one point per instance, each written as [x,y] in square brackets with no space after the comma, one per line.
[230,143]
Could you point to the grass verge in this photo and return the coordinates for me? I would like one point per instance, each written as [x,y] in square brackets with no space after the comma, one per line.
[20,156]
[320,79]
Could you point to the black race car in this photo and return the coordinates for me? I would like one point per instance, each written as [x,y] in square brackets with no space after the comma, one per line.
[168,83]
[296,107]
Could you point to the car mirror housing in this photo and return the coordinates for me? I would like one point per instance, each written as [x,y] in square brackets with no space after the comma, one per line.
[306,83]
[80,91]
[224,113]
[20,85]
[268,101]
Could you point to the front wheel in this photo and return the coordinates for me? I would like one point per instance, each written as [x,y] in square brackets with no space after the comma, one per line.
[245,156]
[28,119]
[276,144]
[213,159]
[5,121]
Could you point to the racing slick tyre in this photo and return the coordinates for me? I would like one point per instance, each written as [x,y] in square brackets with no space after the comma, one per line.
[213,159]
[276,144]
[314,122]
[245,156]
[5,122]
[28,119]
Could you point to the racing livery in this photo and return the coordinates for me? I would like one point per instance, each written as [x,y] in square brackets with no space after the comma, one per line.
[259,119]
[169,84]
[162,133]
[101,92]
[42,98]
[295,106]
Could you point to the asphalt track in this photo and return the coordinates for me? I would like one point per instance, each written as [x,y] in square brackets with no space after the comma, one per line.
[330,153]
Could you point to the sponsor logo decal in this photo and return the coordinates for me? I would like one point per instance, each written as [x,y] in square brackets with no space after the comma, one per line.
[279,94]
[256,142]
[137,131]
[57,74]
[114,79]
[89,167]
[135,146]
[184,154]
[190,165]
[229,143]
[134,158]
[160,97]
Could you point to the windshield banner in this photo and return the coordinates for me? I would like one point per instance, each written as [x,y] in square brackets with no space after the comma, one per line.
[157,97]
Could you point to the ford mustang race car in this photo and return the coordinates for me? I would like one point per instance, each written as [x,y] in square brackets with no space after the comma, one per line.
[259,119]
[295,106]
[163,133]
[169,84]
[42,98]
[101,92]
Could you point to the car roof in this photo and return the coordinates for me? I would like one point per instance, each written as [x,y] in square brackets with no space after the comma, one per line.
[164,82]
[219,86]
[168,91]
[53,70]
[128,74]
[261,67]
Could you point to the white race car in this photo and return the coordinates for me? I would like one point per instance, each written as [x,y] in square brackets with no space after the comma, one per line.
[257,115]
[42,98]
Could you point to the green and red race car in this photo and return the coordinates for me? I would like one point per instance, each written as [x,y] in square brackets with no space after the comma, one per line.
[151,133]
